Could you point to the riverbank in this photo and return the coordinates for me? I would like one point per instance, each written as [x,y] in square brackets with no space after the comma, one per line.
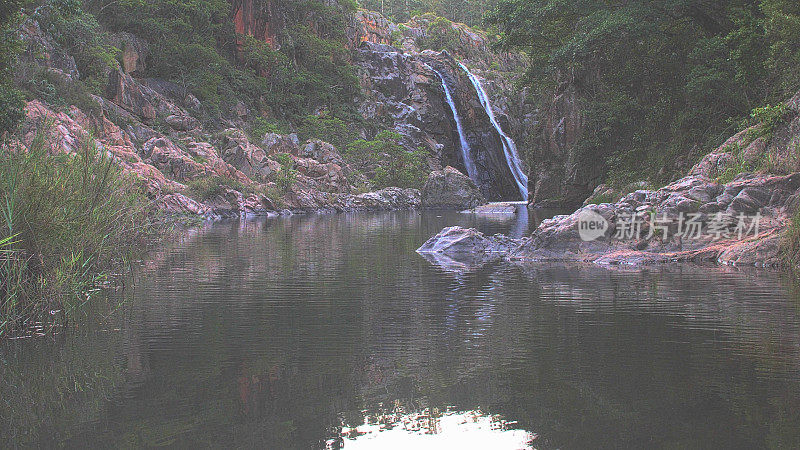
[70,223]
[737,206]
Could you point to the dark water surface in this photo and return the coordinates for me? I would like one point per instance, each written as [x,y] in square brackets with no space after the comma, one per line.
[287,333]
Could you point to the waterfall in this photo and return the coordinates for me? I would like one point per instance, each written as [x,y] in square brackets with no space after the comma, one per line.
[465,150]
[509,148]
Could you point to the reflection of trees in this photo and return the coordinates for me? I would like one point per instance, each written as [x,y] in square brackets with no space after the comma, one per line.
[49,389]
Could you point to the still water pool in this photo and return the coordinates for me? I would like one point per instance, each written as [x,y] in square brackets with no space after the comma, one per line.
[307,332]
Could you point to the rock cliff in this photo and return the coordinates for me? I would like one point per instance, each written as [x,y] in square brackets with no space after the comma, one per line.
[158,132]
[703,217]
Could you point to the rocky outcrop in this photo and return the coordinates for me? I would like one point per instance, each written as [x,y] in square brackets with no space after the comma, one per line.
[459,249]
[134,52]
[403,90]
[145,103]
[252,160]
[39,50]
[369,26]
[694,219]
[453,241]
[449,188]
[152,127]
[560,174]
[256,18]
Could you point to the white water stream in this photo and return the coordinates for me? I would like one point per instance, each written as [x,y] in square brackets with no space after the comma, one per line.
[509,148]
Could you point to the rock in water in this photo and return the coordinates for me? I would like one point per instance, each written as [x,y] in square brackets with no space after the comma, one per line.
[454,241]
[449,188]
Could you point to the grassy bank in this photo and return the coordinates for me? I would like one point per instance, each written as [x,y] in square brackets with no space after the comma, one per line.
[68,223]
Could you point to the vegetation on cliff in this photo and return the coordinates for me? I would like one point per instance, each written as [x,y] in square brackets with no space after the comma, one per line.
[195,45]
[11,100]
[659,81]
[470,12]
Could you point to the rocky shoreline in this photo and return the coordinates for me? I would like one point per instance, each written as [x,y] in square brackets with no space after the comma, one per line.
[662,219]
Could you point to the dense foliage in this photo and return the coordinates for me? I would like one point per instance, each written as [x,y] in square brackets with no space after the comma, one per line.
[11,101]
[470,12]
[659,81]
[386,161]
[194,44]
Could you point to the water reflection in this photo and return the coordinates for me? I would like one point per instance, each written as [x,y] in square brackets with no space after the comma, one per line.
[285,333]
[432,429]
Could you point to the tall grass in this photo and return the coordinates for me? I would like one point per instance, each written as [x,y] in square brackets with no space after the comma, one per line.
[68,221]
[790,244]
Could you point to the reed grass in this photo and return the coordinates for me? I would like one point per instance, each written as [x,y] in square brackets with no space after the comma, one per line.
[68,222]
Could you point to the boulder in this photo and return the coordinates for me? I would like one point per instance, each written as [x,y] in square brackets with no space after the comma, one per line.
[280,143]
[455,241]
[181,122]
[391,198]
[449,188]
[171,160]
[252,160]
[181,204]
[322,152]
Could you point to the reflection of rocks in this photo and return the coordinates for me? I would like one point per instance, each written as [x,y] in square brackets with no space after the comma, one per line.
[460,263]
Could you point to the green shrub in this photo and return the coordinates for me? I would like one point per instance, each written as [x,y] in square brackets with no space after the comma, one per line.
[81,36]
[208,188]
[68,221]
[389,162]
[287,175]
[284,159]
[767,119]
[58,91]
[260,126]
[326,128]
[440,34]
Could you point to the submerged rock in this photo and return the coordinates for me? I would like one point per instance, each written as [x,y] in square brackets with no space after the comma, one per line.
[449,188]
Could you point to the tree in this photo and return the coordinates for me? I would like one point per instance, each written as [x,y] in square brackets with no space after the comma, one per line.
[11,99]
[657,79]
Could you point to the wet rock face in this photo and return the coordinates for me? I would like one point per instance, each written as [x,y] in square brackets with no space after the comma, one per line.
[560,175]
[401,91]
[449,188]
[494,178]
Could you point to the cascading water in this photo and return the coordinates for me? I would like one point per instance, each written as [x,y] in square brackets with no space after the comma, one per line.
[465,150]
[509,148]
